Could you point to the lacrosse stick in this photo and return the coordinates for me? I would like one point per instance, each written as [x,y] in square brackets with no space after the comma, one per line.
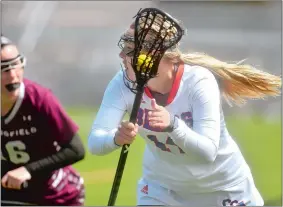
[154,33]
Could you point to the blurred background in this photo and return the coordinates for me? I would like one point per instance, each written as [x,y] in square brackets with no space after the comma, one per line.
[71,47]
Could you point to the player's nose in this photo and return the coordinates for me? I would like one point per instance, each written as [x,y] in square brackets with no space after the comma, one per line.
[122,55]
[12,73]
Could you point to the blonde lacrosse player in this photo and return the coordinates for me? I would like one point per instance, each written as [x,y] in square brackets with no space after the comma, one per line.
[190,158]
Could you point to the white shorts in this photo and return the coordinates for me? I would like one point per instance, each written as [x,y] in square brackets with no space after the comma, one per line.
[243,194]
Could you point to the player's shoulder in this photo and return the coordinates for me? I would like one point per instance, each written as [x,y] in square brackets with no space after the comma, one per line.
[195,73]
[34,88]
[118,77]
[117,82]
[35,92]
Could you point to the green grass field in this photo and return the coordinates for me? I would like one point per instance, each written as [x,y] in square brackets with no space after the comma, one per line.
[260,142]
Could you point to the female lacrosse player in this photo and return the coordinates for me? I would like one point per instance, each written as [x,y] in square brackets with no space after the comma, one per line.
[39,141]
[190,159]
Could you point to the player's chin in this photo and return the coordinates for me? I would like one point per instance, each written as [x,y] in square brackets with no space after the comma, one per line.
[12,94]
[131,76]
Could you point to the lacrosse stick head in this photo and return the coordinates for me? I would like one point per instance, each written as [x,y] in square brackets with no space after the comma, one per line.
[154,33]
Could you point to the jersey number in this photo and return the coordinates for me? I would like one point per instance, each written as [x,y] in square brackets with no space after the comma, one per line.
[16,152]
[164,146]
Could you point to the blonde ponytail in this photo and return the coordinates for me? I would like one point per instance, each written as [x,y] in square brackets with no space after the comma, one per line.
[238,82]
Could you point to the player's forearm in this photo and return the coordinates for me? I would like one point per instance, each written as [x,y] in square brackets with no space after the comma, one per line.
[101,136]
[69,154]
[101,142]
[192,142]
[202,140]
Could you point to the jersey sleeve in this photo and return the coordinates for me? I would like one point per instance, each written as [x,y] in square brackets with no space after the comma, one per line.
[61,127]
[108,118]
[202,140]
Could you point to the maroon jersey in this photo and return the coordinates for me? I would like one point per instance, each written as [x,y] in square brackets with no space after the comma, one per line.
[36,128]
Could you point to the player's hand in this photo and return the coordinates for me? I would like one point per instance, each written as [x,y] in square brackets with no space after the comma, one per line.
[15,178]
[126,133]
[159,117]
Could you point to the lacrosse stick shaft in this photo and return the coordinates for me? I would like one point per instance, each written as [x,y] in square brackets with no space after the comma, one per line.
[124,151]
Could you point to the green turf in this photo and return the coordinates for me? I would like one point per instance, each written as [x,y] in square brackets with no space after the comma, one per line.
[260,142]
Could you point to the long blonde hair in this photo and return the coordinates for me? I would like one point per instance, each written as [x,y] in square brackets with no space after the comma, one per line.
[237,81]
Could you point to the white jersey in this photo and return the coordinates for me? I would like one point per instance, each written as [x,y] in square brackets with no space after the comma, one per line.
[198,156]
